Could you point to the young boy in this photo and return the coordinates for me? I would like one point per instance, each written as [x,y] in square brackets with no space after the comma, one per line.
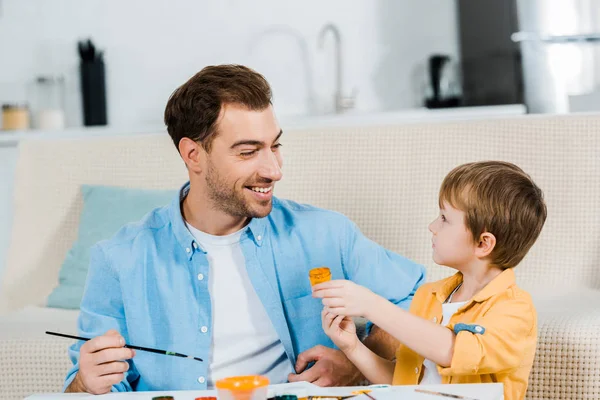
[477,326]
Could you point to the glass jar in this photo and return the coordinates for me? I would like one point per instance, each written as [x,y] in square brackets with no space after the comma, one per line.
[50,102]
[15,117]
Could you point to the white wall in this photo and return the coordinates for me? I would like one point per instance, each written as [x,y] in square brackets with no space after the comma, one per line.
[152,46]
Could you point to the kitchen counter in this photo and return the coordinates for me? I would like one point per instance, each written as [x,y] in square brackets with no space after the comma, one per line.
[408,116]
[351,118]
[12,138]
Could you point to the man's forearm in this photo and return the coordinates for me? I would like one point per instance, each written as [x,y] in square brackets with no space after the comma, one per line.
[75,386]
[381,343]
[375,369]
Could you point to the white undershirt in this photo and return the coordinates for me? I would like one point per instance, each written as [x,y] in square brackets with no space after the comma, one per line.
[431,376]
[244,341]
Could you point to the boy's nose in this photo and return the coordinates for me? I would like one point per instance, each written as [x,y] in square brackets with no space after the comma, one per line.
[430,227]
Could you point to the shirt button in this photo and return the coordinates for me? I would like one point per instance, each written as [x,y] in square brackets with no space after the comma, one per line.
[416,370]
[187,250]
[195,245]
[435,320]
[259,238]
[204,329]
[200,277]
[478,329]
[201,379]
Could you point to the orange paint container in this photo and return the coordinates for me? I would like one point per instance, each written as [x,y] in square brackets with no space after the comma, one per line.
[251,387]
[319,275]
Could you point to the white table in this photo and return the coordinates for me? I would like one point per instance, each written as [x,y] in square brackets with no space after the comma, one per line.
[490,391]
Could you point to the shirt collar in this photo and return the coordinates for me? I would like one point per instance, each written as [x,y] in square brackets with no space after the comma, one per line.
[499,284]
[442,289]
[181,232]
[256,228]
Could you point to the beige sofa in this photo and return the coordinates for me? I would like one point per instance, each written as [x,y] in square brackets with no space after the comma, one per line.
[385,178]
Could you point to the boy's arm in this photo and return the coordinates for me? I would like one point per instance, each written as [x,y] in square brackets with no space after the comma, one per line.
[424,337]
[495,343]
[389,274]
[392,276]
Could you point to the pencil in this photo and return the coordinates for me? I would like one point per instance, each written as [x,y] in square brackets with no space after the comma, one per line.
[130,346]
[454,396]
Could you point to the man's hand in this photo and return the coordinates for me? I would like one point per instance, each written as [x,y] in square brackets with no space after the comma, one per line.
[343,297]
[101,364]
[331,368]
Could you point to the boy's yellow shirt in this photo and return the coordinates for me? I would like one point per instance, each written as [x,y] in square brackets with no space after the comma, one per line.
[496,335]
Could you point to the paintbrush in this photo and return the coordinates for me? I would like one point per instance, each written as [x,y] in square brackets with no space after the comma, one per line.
[453,396]
[130,346]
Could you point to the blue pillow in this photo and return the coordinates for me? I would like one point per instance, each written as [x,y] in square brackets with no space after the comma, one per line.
[105,210]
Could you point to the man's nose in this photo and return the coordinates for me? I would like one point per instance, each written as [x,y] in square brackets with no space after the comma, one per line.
[271,167]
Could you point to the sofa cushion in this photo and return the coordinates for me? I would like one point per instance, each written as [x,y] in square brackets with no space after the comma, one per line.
[32,361]
[105,210]
[567,359]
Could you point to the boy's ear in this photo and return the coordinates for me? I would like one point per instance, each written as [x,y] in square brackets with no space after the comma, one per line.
[487,242]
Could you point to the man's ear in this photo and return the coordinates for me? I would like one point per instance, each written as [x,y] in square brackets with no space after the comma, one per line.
[193,154]
[486,244]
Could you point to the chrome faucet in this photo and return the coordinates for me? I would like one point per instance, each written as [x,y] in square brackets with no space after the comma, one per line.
[342,102]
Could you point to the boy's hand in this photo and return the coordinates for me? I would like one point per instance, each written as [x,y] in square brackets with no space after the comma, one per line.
[340,329]
[344,297]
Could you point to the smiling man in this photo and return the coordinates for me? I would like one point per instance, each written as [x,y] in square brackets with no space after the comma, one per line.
[221,273]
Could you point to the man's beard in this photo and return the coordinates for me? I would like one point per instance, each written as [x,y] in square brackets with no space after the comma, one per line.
[226,198]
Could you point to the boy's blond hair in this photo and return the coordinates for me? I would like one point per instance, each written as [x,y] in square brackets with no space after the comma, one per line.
[499,198]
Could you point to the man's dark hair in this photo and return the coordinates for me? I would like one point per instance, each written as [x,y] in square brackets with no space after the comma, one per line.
[193,108]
